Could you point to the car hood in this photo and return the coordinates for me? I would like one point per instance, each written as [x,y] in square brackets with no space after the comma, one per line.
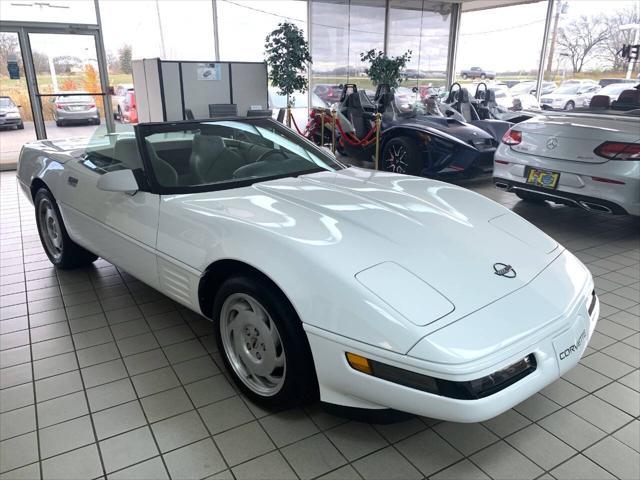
[559,96]
[447,236]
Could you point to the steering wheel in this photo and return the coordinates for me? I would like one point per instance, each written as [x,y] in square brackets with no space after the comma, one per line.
[268,154]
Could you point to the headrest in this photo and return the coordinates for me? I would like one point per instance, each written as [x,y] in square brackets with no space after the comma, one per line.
[126,151]
[629,96]
[209,144]
[600,101]
[353,100]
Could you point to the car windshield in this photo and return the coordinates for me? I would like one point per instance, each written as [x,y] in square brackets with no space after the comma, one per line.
[570,89]
[5,102]
[616,88]
[522,88]
[213,155]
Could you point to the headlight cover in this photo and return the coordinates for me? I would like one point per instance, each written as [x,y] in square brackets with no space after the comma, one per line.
[406,293]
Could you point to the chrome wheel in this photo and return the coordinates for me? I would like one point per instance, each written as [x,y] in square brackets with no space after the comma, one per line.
[50,230]
[397,159]
[252,344]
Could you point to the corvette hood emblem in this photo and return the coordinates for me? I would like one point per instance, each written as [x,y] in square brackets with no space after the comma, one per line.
[552,143]
[504,270]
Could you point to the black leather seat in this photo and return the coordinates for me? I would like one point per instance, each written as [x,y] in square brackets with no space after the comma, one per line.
[600,102]
[211,161]
[356,114]
[463,105]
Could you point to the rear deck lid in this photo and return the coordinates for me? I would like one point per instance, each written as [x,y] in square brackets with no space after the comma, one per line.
[574,137]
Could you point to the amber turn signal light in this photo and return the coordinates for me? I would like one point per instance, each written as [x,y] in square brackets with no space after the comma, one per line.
[359,363]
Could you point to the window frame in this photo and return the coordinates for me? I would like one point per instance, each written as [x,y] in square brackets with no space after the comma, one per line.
[143,130]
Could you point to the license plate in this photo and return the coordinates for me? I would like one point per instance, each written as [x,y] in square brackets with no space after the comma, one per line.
[543,178]
[77,108]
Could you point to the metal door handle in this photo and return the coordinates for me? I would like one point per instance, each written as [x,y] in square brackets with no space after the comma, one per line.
[73,181]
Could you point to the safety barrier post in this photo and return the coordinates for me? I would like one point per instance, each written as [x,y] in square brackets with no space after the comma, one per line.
[333,132]
[378,122]
[289,116]
[322,128]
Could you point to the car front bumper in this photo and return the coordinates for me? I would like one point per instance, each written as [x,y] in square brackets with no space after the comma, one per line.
[340,384]
[614,185]
[7,122]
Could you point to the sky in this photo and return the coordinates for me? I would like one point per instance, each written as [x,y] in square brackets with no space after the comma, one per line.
[499,39]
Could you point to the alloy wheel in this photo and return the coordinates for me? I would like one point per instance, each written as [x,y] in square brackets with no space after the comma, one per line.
[49,225]
[397,159]
[252,344]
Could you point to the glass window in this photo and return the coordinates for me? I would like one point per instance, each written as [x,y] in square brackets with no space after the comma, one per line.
[585,39]
[244,24]
[219,154]
[500,44]
[421,26]
[50,11]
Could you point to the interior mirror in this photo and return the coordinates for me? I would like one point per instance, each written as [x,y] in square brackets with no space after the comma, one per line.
[118,181]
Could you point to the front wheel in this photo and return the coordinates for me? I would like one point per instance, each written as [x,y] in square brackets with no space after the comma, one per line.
[464,76]
[21,126]
[61,250]
[263,344]
[401,155]
[570,105]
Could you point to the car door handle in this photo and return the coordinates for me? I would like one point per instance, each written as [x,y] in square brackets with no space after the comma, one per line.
[73,181]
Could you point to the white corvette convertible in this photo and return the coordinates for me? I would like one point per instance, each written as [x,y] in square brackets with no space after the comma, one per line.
[366,289]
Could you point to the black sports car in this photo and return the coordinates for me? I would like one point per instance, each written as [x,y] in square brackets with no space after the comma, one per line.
[421,141]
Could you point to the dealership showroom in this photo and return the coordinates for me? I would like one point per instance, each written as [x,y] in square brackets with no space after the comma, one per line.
[320,239]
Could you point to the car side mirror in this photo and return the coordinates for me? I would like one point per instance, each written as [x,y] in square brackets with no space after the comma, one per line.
[119,181]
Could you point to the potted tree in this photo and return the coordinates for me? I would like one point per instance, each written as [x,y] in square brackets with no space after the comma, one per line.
[287,55]
[383,69]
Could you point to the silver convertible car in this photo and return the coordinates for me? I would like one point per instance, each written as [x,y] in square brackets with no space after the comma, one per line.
[369,290]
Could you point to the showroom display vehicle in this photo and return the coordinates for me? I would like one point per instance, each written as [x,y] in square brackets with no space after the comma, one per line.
[587,159]
[366,289]
[415,138]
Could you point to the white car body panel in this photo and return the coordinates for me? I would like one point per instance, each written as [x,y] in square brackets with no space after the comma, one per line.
[322,238]
[576,137]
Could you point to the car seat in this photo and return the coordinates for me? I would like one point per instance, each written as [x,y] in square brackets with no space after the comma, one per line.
[165,174]
[211,161]
[627,100]
[355,113]
[602,102]
[464,106]
[126,151]
[487,104]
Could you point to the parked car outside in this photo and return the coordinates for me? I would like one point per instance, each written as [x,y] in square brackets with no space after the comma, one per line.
[75,107]
[477,72]
[530,88]
[329,93]
[130,108]
[568,95]
[118,98]
[603,82]
[613,91]
[506,99]
[10,114]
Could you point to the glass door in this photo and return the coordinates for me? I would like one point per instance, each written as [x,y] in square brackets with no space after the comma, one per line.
[16,115]
[69,88]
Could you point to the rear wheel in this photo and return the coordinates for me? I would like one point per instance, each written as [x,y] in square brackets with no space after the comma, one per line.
[21,126]
[61,250]
[570,105]
[464,76]
[401,155]
[263,344]
[483,76]
[58,123]
[529,197]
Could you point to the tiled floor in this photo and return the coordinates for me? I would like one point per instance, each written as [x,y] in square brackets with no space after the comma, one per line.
[102,376]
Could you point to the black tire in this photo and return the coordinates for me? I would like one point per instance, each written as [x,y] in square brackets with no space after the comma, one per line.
[464,76]
[300,384]
[529,197]
[59,123]
[410,164]
[483,76]
[570,105]
[21,126]
[70,254]
[119,114]
[96,121]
